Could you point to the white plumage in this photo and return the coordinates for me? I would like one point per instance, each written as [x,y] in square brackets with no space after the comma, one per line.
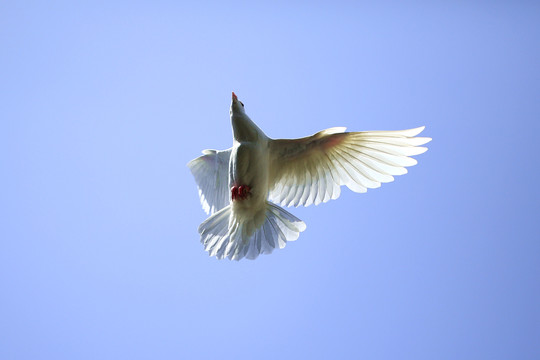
[241,186]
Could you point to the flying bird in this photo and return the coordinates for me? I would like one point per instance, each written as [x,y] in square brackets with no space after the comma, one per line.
[241,188]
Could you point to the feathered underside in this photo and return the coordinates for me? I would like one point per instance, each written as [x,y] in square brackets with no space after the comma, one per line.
[303,171]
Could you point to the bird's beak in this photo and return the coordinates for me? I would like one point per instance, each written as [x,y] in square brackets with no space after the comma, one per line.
[234,97]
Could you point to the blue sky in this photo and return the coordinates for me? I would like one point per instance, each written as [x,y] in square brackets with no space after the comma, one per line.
[103,104]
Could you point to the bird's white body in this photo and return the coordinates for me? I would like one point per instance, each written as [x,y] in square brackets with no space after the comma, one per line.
[239,186]
[248,165]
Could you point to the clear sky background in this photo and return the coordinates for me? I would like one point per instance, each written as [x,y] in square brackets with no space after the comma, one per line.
[102,105]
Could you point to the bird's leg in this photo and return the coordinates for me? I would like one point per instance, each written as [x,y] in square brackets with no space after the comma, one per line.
[240,192]
[234,192]
[243,191]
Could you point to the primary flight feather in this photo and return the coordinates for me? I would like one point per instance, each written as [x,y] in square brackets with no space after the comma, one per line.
[241,186]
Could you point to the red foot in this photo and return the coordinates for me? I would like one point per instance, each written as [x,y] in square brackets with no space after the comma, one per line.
[240,192]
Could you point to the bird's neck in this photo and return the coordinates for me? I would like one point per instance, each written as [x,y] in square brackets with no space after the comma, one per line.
[245,130]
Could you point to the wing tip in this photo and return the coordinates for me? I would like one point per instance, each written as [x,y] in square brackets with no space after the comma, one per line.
[414,131]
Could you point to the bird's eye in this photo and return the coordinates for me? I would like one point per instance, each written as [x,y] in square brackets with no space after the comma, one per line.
[241,103]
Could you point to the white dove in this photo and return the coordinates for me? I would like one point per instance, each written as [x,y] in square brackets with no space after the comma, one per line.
[241,186]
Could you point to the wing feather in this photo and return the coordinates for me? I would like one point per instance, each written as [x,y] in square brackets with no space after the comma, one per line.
[311,170]
[211,172]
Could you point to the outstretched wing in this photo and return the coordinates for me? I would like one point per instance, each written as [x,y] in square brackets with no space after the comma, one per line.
[311,170]
[211,172]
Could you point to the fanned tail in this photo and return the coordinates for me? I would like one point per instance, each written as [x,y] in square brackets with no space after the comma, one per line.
[224,235]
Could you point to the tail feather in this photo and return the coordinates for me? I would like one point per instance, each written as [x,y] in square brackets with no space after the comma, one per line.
[213,227]
[223,235]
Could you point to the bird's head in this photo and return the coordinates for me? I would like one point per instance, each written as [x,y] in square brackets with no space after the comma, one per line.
[237,107]
[243,128]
